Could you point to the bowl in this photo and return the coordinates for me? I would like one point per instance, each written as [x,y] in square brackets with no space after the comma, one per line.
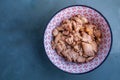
[93,16]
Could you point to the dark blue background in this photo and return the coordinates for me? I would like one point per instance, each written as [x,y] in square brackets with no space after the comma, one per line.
[22,25]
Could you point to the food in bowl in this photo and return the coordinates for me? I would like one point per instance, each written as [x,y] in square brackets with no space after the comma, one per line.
[76,39]
[94,17]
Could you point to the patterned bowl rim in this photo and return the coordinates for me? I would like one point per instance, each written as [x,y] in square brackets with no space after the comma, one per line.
[109,29]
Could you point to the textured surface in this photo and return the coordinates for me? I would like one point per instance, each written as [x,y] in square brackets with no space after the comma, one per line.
[22,24]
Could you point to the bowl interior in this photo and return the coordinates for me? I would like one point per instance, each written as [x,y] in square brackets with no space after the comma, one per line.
[94,17]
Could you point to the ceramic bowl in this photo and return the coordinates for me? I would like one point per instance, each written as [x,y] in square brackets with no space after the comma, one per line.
[95,17]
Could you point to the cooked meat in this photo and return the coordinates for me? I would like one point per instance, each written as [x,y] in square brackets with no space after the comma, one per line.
[76,39]
[68,27]
[84,20]
[53,45]
[65,54]
[80,59]
[55,32]
[88,49]
[89,30]
[58,37]
[60,28]
[89,59]
[97,33]
[94,46]
[76,48]
[69,40]
[65,33]
[73,55]
[86,37]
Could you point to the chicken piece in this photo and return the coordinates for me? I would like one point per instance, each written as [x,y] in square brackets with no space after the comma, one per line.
[86,37]
[53,44]
[79,16]
[60,28]
[80,51]
[89,30]
[98,36]
[94,46]
[77,36]
[89,59]
[78,20]
[73,23]
[80,59]
[76,48]
[55,32]
[65,32]
[84,55]
[63,38]
[82,29]
[58,37]
[97,33]
[73,44]
[65,54]
[69,40]
[62,44]
[88,49]
[98,41]
[73,55]
[65,21]
[68,27]
[78,42]
[75,26]
[68,47]
[84,20]
[58,48]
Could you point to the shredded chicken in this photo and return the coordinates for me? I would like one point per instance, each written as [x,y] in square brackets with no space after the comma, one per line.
[76,39]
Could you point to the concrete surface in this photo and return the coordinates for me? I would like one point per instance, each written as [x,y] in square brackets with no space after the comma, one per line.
[22,25]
